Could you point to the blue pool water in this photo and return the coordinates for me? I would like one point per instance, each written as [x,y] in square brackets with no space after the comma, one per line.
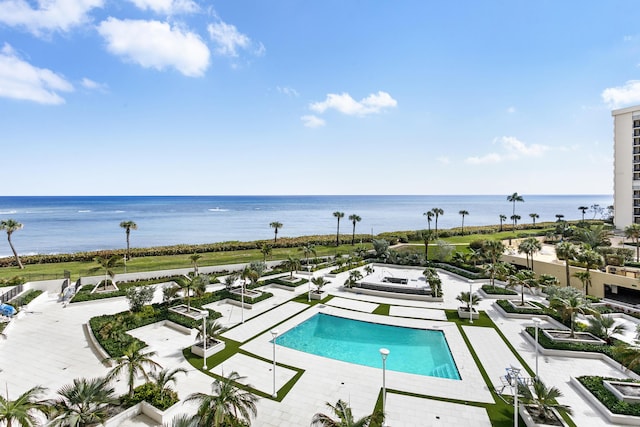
[414,351]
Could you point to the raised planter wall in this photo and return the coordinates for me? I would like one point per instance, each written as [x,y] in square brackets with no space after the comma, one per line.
[529,422]
[610,385]
[415,297]
[199,351]
[613,418]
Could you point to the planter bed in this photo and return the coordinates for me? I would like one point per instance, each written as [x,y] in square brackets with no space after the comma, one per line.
[213,347]
[497,292]
[614,410]
[463,313]
[183,309]
[390,294]
[530,422]
[624,391]
[579,337]
[528,305]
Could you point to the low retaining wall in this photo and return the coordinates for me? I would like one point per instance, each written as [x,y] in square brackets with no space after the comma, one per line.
[415,297]
[554,322]
[613,418]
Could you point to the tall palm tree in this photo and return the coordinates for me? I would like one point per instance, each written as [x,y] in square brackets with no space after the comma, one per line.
[108,264]
[133,362]
[522,279]
[265,250]
[354,219]
[128,226]
[515,219]
[534,216]
[338,215]
[186,284]
[633,232]
[429,215]
[436,213]
[584,210]
[275,225]
[585,279]
[493,249]
[24,409]
[503,218]
[590,259]
[570,306]
[228,405]
[515,197]
[11,225]
[292,264]
[343,412]
[568,251]
[530,246]
[559,217]
[194,261]
[84,402]
[427,236]
[308,249]
[463,213]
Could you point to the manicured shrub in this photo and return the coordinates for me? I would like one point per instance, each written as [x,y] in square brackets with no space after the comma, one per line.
[152,394]
[596,387]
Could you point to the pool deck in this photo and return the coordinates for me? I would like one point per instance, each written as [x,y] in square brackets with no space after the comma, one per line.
[48,347]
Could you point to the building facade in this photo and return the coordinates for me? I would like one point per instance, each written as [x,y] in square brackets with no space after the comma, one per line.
[626,166]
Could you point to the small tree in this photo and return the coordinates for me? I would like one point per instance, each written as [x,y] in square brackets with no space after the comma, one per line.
[194,261]
[276,226]
[381,247]
[432,278]
[139,296]
[522,279]
[469,298]
[319,283]
[542,400]
[343,412]
[10,226]
[605,327]
[569,307]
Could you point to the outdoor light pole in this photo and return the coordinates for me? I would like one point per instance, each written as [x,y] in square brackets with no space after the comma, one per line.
[205,314]
[536,321]
[513,380]
[274,334]
[470,304]
[309,283]
[384,353]
[242,299]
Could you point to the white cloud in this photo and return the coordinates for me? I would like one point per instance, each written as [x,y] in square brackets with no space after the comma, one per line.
[92,85]
[312,121]
[287,91]
[50,15]
[154,44]
[628,94]
[345,104]
[513,149]
[229,40]
[169,7]
[21,80]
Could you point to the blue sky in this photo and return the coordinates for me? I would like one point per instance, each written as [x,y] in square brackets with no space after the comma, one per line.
[149,97]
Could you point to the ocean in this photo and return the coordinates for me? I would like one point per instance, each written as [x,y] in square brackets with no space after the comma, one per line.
[88,223]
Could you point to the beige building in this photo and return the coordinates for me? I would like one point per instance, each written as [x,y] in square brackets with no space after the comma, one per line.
[626,166]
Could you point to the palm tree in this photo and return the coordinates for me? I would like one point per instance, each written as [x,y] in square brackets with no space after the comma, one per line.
[503,218]
[308,249]
[228,405]
[83,403]
[522,279]
[559,217]
[633,232]
[162,378]
[199,285]
[214,330]
[185,283]
[493,249]
[605,327]
[543,399]
[568,251]
[265,250]
[570,306]
[515,197]
[433,279]
[354,219]
[530,246]
[343,412]
[319,283]
[427,236]
[24,409]
[275,225]
[436,213]
[429,216]
[194,261]
[133,362]
[628,354]
[585,279]
[10,225]
[470,299]
[108,265]
[590,259]
[584,210]
[594,236]
[128,226]
[338,215]
[515,219]
[292,264]
[463,213]
[534,216]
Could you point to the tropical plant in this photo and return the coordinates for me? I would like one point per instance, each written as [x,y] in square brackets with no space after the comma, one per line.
[25,409]
[633,232]
[133,362]
[228,405]
[567,251]
[139,296]
[605,327]
[584,210]
[433,279]
[266,251]
[628,354]
[429,215]
[319,283]
[128,226]
[530,246]
[338,215]
[463,213]
[427,236]
[185,284]
[493,250]
[194,258]
[381,247]
[345,417]
[515,219]
[522,279]
[436,213]
[513,198]
[354,219]
[570,306]
[547,280]
[163,377]
[199,285]
[84,402]
[108,264]
[368,269]
[594,236]
[214,329]
[10,226]
[291,264]
[308,249]
[230,280]
[585,279]
[275,225]
[533,217]
[503,218]
[542,400]
[469,301]
[589,259]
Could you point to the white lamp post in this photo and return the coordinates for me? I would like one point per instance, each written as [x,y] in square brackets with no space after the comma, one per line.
[309,283]
[242,299]
[274,334]
[384,353]
[470,304]
[513,381]
[205,314]
[536,321]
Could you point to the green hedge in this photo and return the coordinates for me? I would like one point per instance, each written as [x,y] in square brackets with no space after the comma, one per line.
[497,290]
[348,267]
[25,298]
[596,387]
[152,394]
[284,282]
[459,271]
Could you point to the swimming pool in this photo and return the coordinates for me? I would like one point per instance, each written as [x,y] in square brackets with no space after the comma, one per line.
[414,351]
